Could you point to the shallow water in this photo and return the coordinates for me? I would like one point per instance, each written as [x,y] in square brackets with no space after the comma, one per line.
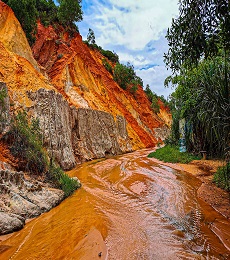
[129,207]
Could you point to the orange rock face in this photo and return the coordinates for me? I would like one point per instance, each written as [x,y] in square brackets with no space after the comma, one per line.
[12,35]
[77,72]
[63,63]
[18,69]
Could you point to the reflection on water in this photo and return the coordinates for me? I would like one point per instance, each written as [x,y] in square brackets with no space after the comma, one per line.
[129,207]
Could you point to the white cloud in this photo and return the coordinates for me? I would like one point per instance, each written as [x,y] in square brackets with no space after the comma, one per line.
[135,60]
[155,78]
[135,30]
[134,23]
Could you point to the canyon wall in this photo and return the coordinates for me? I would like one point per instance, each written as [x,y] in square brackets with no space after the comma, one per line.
[73,135]
[82,111]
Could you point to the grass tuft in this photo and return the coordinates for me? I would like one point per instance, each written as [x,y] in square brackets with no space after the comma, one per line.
[170,153]
[222,177]
[62,180]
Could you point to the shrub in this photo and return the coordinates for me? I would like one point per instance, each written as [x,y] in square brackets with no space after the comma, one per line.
[3,95]
[126,77]
[112,56]
[59,56]
[25,141]
[107,66]
[154,99]
[155,105]
[58,42]
[62,180]
[222,177]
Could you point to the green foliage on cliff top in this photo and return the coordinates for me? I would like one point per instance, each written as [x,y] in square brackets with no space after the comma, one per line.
[126,77]
[69,11]
[107,65]
[29,11]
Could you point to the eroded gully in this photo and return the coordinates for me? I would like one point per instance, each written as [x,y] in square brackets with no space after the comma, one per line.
[129,207]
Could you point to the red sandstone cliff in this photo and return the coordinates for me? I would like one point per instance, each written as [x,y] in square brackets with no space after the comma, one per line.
[77,72]
[67,66]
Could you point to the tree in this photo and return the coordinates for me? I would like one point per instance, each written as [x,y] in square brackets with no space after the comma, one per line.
[154,99]
[201,29]
[91,37]
[202,100]
[69,11]
[199,44]
[47,11]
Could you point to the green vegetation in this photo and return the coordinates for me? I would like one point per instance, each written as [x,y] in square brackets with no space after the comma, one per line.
[155,104]
[198,55]
[29,11]
[62,180]
[69,11]
[107,66]
[25,142]
[2,103]
[126,77]
[112,56]
[199,58]
[154,99]
[170,153]
[47,12]
[91,37]
[222,177]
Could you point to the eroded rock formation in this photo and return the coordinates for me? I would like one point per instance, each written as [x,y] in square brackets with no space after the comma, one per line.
[22,198]
[77,72]
[73,135]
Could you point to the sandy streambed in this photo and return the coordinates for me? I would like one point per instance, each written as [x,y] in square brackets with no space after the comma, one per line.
[129,207]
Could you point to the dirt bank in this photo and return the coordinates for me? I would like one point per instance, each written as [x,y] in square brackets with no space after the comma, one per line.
[208,191]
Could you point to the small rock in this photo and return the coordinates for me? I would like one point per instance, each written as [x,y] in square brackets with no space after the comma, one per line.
[10,223]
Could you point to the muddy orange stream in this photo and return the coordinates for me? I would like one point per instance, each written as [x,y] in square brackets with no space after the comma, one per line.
[129,207]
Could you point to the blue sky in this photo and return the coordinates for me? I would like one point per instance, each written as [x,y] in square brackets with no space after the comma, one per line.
[135,30]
